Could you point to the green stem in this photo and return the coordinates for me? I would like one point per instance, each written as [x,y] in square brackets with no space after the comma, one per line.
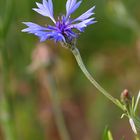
[5,119]
[79,60]
[5,116]
[58,114]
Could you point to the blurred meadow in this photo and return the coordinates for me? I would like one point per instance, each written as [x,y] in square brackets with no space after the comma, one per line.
[31,72]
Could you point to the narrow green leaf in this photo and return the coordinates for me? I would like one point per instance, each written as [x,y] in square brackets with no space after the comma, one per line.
[110,135]
[107,134]
[137,102]
[133,102]
[105,137]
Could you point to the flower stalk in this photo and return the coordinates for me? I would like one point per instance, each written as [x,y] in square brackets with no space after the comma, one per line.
[6,120]
[49,83]
[79,60]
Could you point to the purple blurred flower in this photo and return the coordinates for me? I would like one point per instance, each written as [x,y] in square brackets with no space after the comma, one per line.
[62,30]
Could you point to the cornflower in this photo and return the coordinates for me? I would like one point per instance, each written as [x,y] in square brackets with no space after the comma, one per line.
[64,26]
[63,31]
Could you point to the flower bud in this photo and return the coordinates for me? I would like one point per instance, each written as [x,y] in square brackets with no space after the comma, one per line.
[125,97]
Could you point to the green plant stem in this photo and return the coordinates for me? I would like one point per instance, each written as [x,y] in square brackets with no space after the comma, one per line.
[58,114]
[5,119]
[79,60]
[5,116]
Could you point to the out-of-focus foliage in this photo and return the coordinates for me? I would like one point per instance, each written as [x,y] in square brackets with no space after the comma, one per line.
[107,134]
[111,50]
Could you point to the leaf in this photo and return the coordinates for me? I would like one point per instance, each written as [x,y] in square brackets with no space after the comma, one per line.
[7,16]
[120,105]
[133,126]
[107,134]
[137,102]
[133,103]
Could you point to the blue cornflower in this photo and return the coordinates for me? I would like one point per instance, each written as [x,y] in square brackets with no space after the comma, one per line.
[63,28]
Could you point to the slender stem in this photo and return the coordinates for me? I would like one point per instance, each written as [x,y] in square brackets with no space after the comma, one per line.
[6,121]
[58,114]
[79,60]
[137,102]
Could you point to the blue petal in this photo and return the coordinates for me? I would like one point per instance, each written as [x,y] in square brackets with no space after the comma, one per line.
[32,27]
[80,26]
[36,30]
[45,9]
[50,5]
[58,37]
[69,3]
[50,35]
[86,15]
[70,33]
[71,6]
[43,33]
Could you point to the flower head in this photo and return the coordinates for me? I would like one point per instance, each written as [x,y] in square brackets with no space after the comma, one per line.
[63,28]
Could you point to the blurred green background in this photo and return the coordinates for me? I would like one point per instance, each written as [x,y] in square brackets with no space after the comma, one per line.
[110,49]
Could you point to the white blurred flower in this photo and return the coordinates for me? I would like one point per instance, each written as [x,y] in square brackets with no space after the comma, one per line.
[133,125]
[41,57]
